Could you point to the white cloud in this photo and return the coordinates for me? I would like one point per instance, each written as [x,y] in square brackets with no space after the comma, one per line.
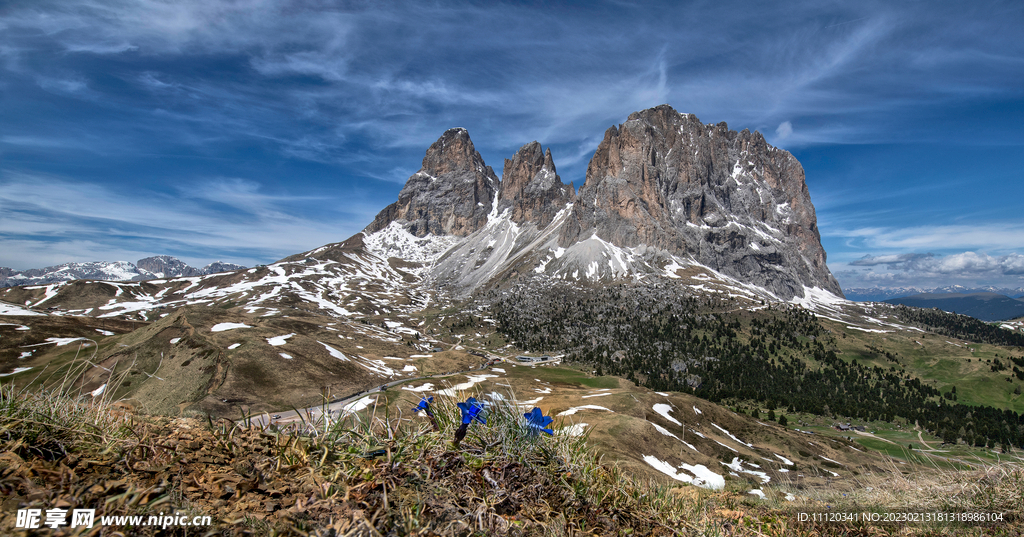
[70,86]
[931,270]
[784,130]
[965,262]
[39,141]
[983,254]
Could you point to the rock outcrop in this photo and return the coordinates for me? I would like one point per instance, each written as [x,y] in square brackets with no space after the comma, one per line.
[451,194]
[531,187]
[220,266]
[726,198]
[165,266]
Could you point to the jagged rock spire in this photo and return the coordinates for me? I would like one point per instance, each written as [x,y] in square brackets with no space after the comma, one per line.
[452,194]
[531,187]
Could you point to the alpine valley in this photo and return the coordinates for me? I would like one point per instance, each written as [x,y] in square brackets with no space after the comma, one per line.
[681,298]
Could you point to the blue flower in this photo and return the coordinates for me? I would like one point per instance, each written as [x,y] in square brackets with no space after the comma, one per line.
[471,411]
[424,405]
[536,421]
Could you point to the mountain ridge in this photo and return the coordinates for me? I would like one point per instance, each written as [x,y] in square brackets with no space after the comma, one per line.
[663,192]
[149,268]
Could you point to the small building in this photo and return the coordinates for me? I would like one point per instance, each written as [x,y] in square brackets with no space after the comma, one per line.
[525,359]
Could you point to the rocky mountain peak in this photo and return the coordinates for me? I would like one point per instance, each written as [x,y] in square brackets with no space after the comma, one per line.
[662,190]
[531,187]
[725,198]
[220,266]
[451,194]
[166,266]
[452,152]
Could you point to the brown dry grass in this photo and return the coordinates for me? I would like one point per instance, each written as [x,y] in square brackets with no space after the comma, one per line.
[393,475]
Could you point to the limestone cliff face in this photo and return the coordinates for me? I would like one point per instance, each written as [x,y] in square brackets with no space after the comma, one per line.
[662,189]
[531,187]
[726,198]
[452,194]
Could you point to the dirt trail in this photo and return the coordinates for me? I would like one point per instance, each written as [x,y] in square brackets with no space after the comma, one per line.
[869,435]
[928,447]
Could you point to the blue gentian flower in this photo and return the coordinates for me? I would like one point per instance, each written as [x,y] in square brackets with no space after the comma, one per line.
[424,405]
[471,411]
[536,421]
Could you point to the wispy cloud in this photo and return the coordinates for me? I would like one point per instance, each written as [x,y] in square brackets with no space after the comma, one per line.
[100,221]
[784,130]
[37,141]
[557,75]
[998,236]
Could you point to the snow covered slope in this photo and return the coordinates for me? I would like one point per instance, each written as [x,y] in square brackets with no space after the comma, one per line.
[340,280]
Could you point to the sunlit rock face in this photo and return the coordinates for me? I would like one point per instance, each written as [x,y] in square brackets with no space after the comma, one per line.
[451,194]
[728,199]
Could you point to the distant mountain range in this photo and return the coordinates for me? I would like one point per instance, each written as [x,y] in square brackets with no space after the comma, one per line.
[981,306]
[150,268]
[882,294]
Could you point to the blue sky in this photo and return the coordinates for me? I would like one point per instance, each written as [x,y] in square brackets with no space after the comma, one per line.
[248,130]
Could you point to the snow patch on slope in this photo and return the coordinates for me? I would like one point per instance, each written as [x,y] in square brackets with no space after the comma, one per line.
[702,476]
[395,241]
[663,409]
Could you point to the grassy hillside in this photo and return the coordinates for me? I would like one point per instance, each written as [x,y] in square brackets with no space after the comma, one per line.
[221,361]
[380,473]
[941,361]
[640,438]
